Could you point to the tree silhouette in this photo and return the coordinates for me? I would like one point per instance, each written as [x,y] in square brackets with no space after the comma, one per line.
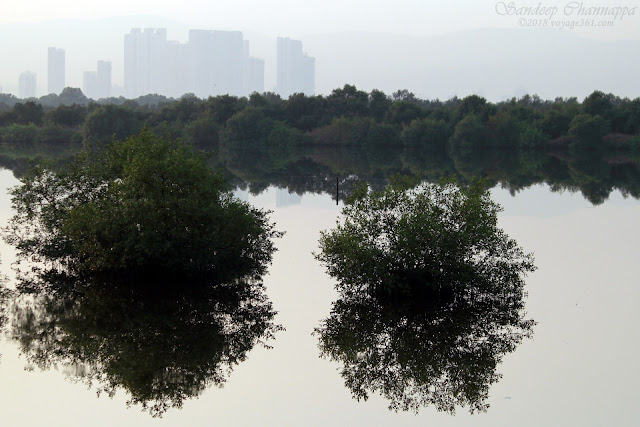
[431,296]
[161,347]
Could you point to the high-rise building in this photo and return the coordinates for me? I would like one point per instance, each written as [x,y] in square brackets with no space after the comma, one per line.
[145,61]
[97,84]
[215,62]
[296,70]
[254,75]
[210,63]
[55,70]
[253,72]
[27,85]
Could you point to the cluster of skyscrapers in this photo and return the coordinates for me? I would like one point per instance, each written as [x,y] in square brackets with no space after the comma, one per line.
[210,63]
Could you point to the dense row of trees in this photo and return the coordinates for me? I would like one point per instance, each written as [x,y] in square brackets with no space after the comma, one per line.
[347,116]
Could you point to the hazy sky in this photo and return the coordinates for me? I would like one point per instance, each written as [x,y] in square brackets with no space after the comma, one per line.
[295,18]
[88,38]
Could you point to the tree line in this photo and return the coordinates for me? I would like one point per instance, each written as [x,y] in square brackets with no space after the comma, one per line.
[348,117]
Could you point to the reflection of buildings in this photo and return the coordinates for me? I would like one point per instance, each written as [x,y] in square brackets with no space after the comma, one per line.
[55,70]
[97,84]
[296,70]
[284,198]
[27,85]
[210,63]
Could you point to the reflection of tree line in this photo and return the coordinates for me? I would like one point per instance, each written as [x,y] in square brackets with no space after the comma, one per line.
[594,173]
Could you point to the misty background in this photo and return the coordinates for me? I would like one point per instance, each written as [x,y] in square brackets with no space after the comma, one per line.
[433,50]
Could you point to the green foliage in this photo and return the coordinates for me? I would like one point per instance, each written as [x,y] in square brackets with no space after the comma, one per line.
[71,116]
[71,96]
[55,134]
[470,132]
[403,112]
[348,102]
[556,123]
[20,133]
[347,116]
[598,104]
[532,136]
[248,128]
[28,113]
[144,205]
[473,104]
[634,143]
[379,104]
[304,112]
[109,122]
[381,134]
[587,131]
[343,131]
[281,135]
[427,132]
[202,132]
[222,108]
[428,237]
[431,295]
[504,129]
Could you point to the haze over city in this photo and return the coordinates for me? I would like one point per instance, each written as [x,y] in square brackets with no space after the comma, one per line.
[434,50]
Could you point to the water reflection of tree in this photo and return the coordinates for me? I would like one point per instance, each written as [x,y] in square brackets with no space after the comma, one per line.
[5,295]
[431,296]
[161,346]
[423,353]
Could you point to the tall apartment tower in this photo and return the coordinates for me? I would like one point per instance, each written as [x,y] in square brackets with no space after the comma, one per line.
[145,61]
[210,63]
[253,72]
[55,71]
[27,85]
[97,84]
[215,63]
[296,70]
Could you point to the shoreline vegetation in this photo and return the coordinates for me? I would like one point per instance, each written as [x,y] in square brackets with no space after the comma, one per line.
[347,117]
[302,143]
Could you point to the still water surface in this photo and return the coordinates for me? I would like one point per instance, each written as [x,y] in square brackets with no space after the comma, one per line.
[580,368]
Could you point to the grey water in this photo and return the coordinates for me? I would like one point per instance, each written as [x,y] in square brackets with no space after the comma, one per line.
[580,367]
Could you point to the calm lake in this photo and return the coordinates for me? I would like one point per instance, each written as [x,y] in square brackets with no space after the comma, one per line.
[580,367]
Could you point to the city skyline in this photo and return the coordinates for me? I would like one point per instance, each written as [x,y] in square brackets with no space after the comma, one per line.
[507,62]
[210,63]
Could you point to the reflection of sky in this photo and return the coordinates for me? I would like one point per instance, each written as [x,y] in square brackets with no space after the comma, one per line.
[579,369]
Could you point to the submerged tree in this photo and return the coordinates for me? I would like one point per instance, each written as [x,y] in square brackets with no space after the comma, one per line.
[147,271]
[431,295]
[142,206]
